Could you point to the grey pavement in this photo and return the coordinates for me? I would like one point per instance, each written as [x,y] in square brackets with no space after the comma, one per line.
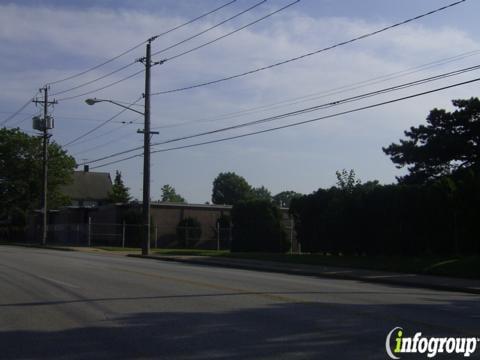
[73,305]
[471,286]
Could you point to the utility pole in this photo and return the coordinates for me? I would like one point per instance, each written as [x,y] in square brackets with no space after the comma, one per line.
[147,61]
[43,125]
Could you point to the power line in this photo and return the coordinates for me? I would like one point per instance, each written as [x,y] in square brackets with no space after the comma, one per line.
[322,94]
[94,80]
[140,44]
[103,87]
[160,51]
[327,105]
[297,123]
[361,37]
[302,111]
[102,124]
[102,144]
[121,125]
[181,54]
[230,33]
[197,18]
[210,28]
[23,107]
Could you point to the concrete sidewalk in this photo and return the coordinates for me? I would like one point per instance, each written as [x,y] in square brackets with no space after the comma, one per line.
[471,286]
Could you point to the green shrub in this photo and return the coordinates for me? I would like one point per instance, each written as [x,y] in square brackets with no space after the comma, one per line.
[189,229]
[257,227]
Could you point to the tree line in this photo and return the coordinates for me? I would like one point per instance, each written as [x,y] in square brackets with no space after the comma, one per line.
[433,209]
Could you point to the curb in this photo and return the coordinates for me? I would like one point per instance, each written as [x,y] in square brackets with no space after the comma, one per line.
[36,246]
[320,274]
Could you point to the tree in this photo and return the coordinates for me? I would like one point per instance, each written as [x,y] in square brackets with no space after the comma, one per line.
[119,193]
[230,188]
[21,174]
[284,198]
[170,195]
[189,229]
[347,180]
[449,143]
[261,193]
[258,226]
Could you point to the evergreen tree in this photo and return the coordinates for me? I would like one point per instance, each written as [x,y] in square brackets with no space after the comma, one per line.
[119,193]
[448,144]
[169,194]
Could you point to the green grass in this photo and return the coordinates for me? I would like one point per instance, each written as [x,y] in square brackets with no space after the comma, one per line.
[117,248]
[463,266]
[196,252]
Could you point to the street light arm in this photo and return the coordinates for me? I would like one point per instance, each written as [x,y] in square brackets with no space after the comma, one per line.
[95,100]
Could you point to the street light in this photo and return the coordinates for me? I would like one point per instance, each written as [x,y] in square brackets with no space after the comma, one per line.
[147,61]
[95,100]
[146,165]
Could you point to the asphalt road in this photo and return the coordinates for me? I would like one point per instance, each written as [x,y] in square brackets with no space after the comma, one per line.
[70,305]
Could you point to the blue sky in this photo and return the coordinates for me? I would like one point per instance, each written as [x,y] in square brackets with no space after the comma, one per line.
[43,41]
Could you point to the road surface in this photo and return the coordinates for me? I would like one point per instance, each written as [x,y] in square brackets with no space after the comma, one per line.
[72,305]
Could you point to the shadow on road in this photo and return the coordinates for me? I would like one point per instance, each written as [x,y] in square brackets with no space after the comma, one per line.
[282,330]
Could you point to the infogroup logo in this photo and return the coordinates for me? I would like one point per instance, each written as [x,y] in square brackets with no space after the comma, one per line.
[398,344]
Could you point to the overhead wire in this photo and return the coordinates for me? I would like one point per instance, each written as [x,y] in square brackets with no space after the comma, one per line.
[305,110]
[294,124]
[351,86]
[120,125]
[210,28]
[323,94]
[361,37]
[104,144]
[140,44]
[23,107]
[182,54]
[143,70]
[231,32]
[101,124]
[326,105]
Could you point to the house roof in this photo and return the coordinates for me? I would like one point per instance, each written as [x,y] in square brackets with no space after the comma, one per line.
[88,186]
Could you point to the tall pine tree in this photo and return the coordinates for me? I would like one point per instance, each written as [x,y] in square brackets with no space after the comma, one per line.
[119,193]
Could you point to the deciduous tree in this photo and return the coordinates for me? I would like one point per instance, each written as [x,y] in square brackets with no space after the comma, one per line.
[230,188]
[21,174]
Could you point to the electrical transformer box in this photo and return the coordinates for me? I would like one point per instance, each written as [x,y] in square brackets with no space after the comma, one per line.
[40,124]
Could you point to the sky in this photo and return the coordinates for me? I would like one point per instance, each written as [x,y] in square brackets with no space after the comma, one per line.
[46,41]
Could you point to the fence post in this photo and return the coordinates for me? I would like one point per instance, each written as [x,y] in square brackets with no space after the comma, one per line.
[123,233]
[89,231]
[218,235]
[156,235]
[291,236]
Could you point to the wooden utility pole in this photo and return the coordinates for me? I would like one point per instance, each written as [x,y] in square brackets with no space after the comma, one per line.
[147,61]
[44,125]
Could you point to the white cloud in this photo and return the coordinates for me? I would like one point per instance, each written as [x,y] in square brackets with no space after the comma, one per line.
[59,42]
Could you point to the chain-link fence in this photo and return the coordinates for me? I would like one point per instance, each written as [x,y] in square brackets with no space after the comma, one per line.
[132,235]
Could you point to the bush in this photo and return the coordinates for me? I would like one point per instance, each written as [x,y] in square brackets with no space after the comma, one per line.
[135,230]
[133,219]
[435,218]
[257,226]
[224,223]
[189,229]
